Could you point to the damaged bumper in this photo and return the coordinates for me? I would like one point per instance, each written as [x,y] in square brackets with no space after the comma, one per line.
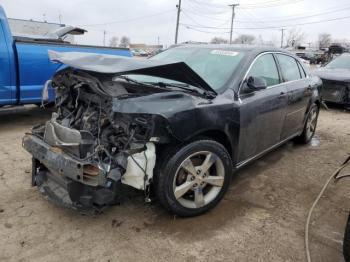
[336,92]
[67,181]
[61,164]
[75,183]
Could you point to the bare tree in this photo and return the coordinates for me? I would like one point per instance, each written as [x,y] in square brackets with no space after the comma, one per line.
[244,39]
[295,37]
[124,41]
[218,40]
[324,40]
[113,42]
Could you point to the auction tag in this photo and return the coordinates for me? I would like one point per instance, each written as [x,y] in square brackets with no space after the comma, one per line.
[224,52]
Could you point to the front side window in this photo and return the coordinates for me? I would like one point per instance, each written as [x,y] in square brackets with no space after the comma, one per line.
[289,67]
[265,67]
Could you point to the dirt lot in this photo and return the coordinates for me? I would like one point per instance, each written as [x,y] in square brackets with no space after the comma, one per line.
[261,218]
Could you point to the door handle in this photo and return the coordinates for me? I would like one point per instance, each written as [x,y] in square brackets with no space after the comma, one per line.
[281,95]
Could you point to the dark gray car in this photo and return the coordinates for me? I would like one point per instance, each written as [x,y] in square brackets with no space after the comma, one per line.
[179,123]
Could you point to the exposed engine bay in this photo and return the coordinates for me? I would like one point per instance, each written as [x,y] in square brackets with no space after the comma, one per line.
[90,144]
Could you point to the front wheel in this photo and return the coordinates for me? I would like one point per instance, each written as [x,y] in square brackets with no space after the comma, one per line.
[194,178]
[310,125]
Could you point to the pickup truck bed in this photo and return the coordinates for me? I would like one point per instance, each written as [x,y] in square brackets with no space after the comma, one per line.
[25,65]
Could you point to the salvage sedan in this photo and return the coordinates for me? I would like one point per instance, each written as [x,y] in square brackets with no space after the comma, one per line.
[336,80]
[177,125]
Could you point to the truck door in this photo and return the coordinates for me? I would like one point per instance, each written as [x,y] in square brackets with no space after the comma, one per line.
[7,65]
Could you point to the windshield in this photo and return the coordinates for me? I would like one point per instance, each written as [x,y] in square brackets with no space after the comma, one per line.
[215,66]
[342,62]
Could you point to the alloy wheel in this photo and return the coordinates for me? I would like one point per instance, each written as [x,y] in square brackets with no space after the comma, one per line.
[311,123]
[199,179]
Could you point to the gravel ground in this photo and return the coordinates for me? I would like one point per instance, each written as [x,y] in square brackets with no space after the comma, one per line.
[261,218]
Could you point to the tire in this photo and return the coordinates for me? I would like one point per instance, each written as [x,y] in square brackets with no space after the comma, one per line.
[310,125]
[196,189]
[346,241]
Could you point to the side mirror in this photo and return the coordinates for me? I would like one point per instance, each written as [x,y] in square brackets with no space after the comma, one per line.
[255,84]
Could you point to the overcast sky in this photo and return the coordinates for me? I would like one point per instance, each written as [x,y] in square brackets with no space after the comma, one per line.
[144,20]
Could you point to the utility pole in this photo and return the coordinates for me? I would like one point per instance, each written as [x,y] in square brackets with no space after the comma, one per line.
[104,37]
[233,16]
[177,21]
[282,31]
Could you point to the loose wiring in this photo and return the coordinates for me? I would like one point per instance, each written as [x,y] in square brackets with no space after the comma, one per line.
[335,176]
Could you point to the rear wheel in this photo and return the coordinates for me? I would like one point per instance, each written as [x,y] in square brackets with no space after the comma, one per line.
[194,178]
[310,125]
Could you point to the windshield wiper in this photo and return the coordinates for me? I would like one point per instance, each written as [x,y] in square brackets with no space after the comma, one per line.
[130,80]
[185,87]
[165,85]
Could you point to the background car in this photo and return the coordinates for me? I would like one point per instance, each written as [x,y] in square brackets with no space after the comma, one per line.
[336,80]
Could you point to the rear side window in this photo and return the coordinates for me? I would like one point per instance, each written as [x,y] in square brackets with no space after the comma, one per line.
[265,67]
[289,67]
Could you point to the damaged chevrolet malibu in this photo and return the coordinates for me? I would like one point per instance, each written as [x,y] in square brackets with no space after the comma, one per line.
[176,126]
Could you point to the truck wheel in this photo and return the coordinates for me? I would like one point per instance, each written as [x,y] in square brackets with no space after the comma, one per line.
[310,125]
[194,178]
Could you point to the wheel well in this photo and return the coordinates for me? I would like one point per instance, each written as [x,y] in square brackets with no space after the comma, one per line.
[218,136]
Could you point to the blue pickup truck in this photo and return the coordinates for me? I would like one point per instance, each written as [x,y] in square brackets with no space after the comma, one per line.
[25,65]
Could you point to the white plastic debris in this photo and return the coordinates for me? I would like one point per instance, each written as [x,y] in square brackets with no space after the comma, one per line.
[135,176]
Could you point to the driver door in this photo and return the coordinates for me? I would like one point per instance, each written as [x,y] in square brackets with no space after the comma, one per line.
[262,112]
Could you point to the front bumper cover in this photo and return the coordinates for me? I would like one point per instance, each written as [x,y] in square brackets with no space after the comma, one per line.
[61,178]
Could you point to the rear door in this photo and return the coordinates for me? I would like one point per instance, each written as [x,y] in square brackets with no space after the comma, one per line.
[262,112]
[299,94]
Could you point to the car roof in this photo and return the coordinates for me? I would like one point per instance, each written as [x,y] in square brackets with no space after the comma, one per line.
[234,47]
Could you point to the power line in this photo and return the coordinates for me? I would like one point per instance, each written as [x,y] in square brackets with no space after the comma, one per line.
[203,9]
[132,19]
[194,21]
[201,15]
[276,27]
[273,19]
[211,5]
[204,31]
[271,5]
[297,18]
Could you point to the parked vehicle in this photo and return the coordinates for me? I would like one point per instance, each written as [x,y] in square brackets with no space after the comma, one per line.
[336,80]
[25,66]
[179,123]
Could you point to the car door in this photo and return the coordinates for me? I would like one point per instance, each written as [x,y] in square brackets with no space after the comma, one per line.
[299,93]
[262,112]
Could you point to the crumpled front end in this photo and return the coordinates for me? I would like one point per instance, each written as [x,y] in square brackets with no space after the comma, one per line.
[336,91]
[86,154]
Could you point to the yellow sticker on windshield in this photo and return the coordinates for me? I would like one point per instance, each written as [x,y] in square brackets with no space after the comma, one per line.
[224,52]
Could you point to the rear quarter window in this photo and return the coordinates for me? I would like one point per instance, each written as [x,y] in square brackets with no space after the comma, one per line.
[289,67]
